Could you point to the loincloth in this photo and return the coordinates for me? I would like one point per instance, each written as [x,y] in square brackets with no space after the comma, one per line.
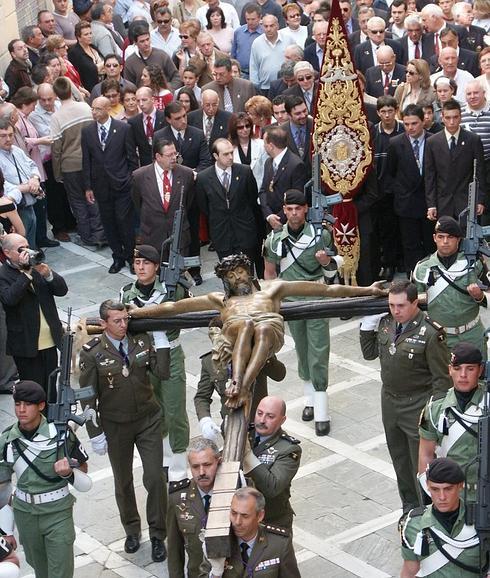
[222,348]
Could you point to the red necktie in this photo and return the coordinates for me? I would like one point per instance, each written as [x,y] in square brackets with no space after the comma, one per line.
[167,189]
[387,83]
[417,50]
[149,128]
[436,43]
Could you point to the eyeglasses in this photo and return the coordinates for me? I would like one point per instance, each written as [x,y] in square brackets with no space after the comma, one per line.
[411,72]
[242,126]
[163,21]
[376,31]
[302,78]
[184,36]
[114,65]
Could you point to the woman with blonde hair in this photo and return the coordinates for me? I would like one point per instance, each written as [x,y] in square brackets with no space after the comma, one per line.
[416,88]
[188,33]
[481,11]
[484,78]
[259,109]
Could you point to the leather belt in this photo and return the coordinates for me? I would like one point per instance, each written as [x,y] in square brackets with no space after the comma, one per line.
[462,328]
[42,498]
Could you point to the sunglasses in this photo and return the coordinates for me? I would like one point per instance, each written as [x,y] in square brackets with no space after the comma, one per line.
[307,77]
[115,65]
[163,21]
[295,16]
[184,36]
[242,126]
[377,31]
[411,72]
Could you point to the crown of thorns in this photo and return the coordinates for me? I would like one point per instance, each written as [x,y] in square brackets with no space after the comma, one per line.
[232,262]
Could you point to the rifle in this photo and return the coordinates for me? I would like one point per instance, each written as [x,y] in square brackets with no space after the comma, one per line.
[171,272]
[318,214]
[474,243]
[60,411]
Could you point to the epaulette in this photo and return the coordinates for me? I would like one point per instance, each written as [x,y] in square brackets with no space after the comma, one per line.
[180,485]
[416,511]
[434,324]
[127,287]
[91,344]
[277,530]
[7,429]
[205,354]
[286,436]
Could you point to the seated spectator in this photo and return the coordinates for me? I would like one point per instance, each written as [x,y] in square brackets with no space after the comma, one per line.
[110,89]
[153,77]
[216,26]
[187,98]
[85,57]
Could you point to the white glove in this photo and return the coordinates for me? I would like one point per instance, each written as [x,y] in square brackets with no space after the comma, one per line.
[99,444]
[209,429]
[371,322]
[217,567]
[250,460]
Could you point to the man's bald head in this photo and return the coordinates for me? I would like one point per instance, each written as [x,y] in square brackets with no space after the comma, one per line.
[101,107]
[12,241]
[47,96]
[270,415]
[475,95]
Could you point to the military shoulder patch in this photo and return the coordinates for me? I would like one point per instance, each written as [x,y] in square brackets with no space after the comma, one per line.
[277,530]
[176,486]
[290,438]
[91,344]
[435,325]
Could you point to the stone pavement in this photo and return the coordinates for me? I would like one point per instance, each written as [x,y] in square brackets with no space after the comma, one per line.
[344,495]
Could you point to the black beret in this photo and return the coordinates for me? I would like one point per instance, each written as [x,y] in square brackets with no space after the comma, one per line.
[294,197]
[81,6]
[445,471]
[449,226]
[147,252]
[465,353]
[29,391]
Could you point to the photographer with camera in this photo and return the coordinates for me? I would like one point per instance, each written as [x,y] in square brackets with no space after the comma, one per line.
[27,290]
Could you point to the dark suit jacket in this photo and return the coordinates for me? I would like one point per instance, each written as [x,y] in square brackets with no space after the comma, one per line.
[112,167]
[472,39]
[426,44]
[291,174]
[195,150]
[16,76]
[21,303]
[311,56]
[448,174]
[220,125]
[276,88]
[156,224]
[374,80]
[363,55]
[306,158]
[240,91]
[85,65]
[33,56]
[231,215]
[404,180]
[296,91]
[141,144]
[467,60]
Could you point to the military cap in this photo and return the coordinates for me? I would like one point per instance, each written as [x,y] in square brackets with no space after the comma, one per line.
[147,252]
[465,353]
[294,197]
[445,471]
[29,391]
[449,226]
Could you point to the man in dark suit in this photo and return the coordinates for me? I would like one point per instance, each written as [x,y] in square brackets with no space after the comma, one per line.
[351,23]
[227,195]
[360,35]
[306,87]
[108,161]
[212,120]
[299,129]
[145,124]
[472,37]
[365,53]
[449,160]
[193,152]
[157,192]
[33,327]
[415,44]
[283,170]
[233,93]
[467,59]
[34,39]
[314,51]
[386,76]
[405,182]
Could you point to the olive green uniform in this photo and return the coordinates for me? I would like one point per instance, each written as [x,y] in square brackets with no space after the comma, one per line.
[272,556]
[438,423]
[129,415]
[416,533]
[280,456]
[170,392]
[455,310]
[185,520]
[413,366]
[46,529]
[297,262]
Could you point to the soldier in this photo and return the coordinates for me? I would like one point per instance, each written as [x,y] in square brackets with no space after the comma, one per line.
[42,503]
[300,254]
[414,357]
[273,461]
[449,424]
[170,393]
[188,507]
[454,297]
[214,378]
[256,549]
[436,541]
[117,366]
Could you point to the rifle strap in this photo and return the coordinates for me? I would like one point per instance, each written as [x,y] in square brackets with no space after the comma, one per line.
[451,282]
[289,247]
[440,546]
[36,470]
[463,424]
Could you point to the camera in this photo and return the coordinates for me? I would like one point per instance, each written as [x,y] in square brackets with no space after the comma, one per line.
[36,257]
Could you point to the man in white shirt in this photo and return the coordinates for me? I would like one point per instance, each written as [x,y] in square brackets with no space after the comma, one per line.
[165,36]
[448,60]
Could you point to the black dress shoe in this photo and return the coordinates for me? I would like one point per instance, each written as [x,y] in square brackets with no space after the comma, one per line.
[116,266]
[322,428]
[197,278]
[132,543]
[48,243]
[158,550]
[308,413]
